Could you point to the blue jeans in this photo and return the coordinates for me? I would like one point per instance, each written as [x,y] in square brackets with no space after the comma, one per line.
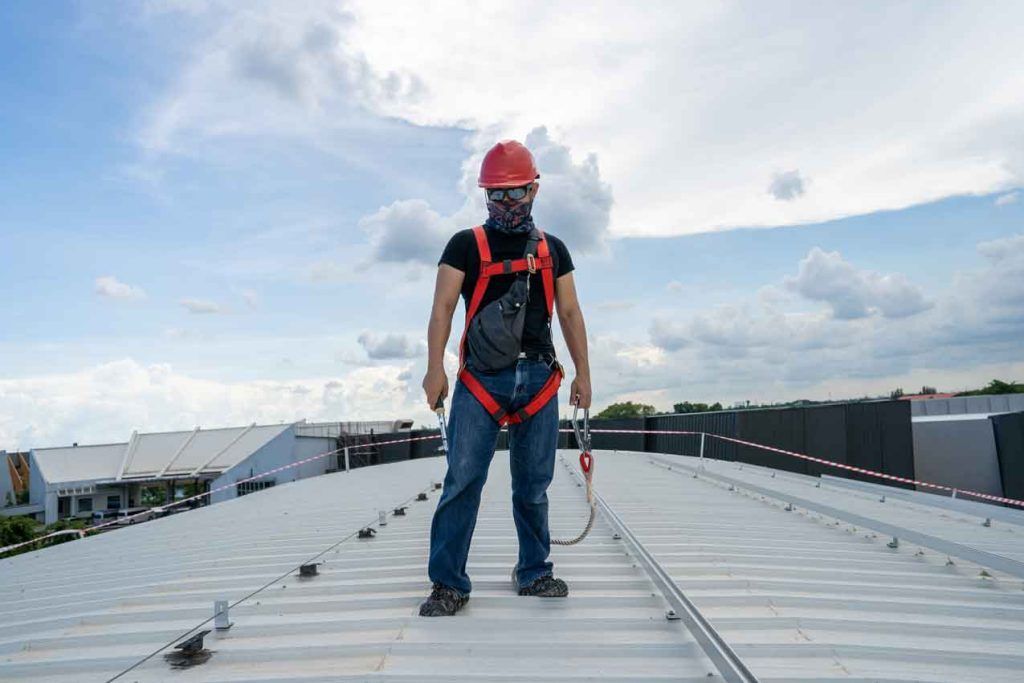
[472,437]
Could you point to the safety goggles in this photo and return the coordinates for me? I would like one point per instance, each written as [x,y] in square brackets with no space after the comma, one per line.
[499,194]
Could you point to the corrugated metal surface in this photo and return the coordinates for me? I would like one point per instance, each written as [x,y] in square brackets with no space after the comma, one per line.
[799,597]
[218,449]
[1001,403]
[79,463]
[85,610]
[796,596]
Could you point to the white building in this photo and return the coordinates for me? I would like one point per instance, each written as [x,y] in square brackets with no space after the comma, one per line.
[75,481]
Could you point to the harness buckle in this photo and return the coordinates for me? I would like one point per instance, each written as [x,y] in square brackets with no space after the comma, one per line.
[531,263]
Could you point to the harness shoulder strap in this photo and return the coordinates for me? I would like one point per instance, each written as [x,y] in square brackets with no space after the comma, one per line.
[546,274]
[484,249]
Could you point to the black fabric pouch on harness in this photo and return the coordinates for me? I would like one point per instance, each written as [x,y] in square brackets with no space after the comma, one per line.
[495,335]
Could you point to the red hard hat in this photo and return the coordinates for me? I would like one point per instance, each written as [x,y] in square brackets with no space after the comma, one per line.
[507,164]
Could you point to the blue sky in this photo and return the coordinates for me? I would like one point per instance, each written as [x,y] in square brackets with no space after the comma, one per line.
[213,215]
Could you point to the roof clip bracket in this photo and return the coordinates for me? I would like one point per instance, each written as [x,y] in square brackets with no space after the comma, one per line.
[421,496]
[310,570]
[221,620]
[368,532]
[399,512]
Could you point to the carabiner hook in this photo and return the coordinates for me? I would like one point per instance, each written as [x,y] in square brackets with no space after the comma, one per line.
[582,439]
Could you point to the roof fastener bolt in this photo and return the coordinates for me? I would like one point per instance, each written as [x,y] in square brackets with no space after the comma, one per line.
[399,512]
[617,537]
[987,522]
[309,569]
[894,543]
[421,496]
[437,486]
[367,533]
[671,615]
[789,507]
[882,499]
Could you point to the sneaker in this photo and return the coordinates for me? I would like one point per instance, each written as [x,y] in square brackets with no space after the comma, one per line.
[443,602]
[546,587]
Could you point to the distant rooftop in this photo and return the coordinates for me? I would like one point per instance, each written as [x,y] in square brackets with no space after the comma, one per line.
[193,452]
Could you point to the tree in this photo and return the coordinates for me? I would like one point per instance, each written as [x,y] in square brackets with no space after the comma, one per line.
[626,409]
[16,530]
[995,387]
[687,407]
[896,393]
[929,390]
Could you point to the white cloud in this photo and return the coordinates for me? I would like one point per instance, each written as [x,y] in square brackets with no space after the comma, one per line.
[668,334]
[615,305]
[787,186]
[407,231]
[391,346]
[269,69]
[688,107]
[109,286]
[1008,198]
[107,402]
[769,348]
[573,204]
[852,293]
[201,306]
[644,355]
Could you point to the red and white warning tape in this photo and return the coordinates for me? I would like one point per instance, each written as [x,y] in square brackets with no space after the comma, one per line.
[822,461]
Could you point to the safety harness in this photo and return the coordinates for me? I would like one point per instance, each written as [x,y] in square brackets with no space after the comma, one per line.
[488,269]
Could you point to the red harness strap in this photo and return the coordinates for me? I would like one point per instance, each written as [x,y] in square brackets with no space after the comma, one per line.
[543,262]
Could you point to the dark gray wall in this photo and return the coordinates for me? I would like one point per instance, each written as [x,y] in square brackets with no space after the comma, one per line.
[1009,437]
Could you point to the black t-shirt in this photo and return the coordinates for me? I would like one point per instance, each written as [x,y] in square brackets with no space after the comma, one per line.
[461,253]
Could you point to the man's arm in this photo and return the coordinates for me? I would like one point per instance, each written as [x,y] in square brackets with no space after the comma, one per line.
[570,319]
[446,297]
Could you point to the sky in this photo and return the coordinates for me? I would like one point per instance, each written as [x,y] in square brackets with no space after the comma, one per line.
[218,213]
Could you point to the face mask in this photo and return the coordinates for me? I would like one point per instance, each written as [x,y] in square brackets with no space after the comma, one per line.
[512,220]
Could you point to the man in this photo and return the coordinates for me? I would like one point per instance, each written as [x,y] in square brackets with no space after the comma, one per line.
[524,394]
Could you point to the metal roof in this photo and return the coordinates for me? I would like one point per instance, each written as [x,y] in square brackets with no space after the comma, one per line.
[155,454]
[195,451]
[79,463]
[794,594]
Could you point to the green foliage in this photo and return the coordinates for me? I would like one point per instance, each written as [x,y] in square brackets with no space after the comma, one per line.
[626,409]
[153,495]
[16,530]
[995,387]
[896,393]
[687,407]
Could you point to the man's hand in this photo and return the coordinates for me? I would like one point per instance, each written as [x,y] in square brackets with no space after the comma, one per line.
[435,385]
[579,393]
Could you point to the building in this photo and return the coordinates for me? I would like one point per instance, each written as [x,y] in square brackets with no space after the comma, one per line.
[797,577]
[152,468]
[970,442]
